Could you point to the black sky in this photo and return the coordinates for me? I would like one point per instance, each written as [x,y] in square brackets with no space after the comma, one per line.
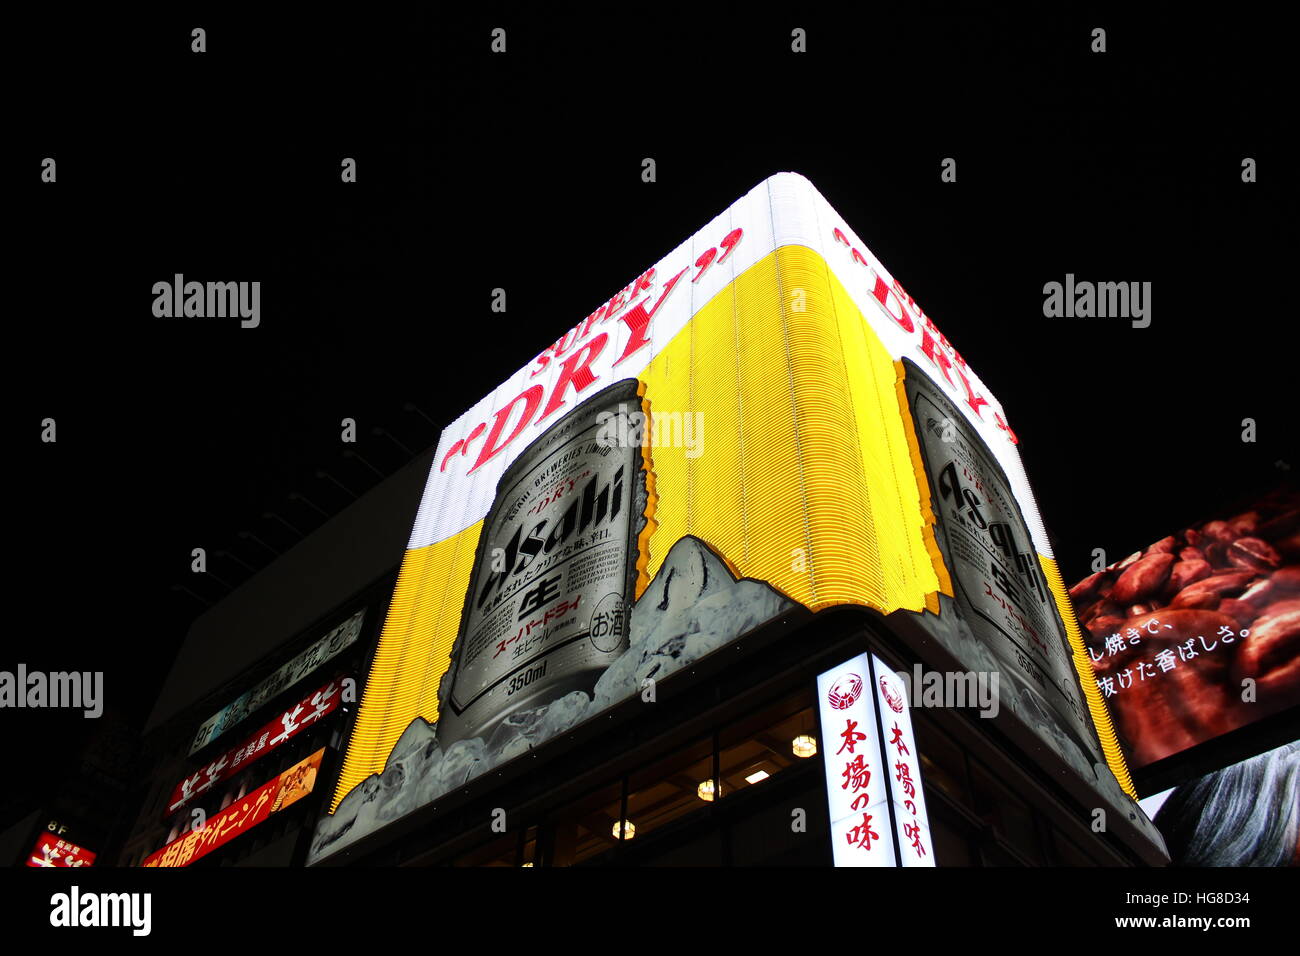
[522,171]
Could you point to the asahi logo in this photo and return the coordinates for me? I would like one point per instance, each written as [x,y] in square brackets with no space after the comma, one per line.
[83,690]
[592,507]
[179,299]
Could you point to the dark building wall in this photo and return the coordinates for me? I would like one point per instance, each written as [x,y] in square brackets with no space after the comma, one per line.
[16,841]
[337,561]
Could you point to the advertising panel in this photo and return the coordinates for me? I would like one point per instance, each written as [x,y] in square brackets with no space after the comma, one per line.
[242,815]
[53,850]
[305,713]
[1198,634]
[733,430]
[327,648]
[1008,621]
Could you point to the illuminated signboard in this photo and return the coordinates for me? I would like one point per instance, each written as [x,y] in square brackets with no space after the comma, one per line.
[303,714]
[242,815]
[52,850]
[873,771]
[805,438]
[328,647]
[1198,634]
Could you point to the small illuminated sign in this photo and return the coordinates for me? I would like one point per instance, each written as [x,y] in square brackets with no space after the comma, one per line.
[53,850]
[242,815]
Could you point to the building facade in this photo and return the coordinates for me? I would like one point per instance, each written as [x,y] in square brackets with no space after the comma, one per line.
[628,566]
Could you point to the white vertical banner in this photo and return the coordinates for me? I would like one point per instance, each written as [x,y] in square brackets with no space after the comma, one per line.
[873,782]
[856,787]
[903,767]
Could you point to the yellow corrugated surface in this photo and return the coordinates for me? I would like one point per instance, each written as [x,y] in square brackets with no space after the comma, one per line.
[1088,678]
[806,479]
[414,651]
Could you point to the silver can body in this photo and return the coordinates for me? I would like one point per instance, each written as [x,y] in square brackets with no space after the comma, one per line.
[551,588]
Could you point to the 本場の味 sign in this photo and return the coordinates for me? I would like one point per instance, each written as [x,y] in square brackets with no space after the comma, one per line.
[242,815]
[873,779]
[306,712]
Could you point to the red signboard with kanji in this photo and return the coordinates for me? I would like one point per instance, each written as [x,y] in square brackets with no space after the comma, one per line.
[306,712]
[242,815]
[51,850]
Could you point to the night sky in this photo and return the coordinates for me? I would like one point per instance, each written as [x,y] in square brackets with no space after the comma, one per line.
[522,171]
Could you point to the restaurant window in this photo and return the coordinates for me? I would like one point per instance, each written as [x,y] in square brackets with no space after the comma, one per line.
[509,849]
[792,830]
[761,746]
[587,831]
[943,763]
[1066,852]
[671,788]
[702,849]
[954,842]
[1010,817]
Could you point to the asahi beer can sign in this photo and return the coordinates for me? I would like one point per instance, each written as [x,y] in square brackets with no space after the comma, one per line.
[854,458]
[547,607]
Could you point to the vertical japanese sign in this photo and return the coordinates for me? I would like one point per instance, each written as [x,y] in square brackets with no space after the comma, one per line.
[873,781]
[51,850]
[903,767]
[242,815]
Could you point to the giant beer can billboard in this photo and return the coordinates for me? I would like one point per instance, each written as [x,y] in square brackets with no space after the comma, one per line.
[802,437]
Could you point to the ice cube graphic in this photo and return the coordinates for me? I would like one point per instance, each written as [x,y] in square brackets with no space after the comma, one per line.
[417,735]
[462,761]
[693,606]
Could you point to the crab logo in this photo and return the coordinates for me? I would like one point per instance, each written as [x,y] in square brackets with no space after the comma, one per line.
[844,691]
[892,697]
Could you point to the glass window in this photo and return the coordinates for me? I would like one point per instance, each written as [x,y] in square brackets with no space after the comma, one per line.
[761,746]
[951,845]
[671,788]
[791,831]
[993,854]
[503,851]
[587,830]
[703,850]
[943,763]
[1009,816]
[1067,852]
